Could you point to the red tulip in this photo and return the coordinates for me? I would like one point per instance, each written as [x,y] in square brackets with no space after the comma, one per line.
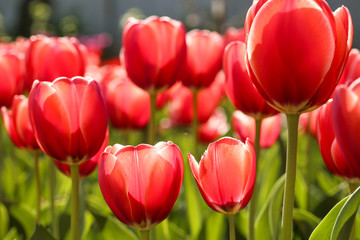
[87,167]
[204,55]
[48,58]
[17,123]
[307,122]
[128,105]
[239,86]
[215,127]
[234,34]
[12,79]
[153,50]
[226,174]
[337,132]
[68,117]
[352,68]
[244,127]
[141,184]
[296,51]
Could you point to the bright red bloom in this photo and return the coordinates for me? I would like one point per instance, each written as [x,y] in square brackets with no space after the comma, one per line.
[239,86]
[307,122]
[234,34]
[87,167]
[141,184]
[244,127]
[296,51]
[226,174]
[12,78]
[204,57]
[68,117]
[17,123]
[352,68]
[48,58]
[338,132]
[128,105]
[153,50]
[215,127]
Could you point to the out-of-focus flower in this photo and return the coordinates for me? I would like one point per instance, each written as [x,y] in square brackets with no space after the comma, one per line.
[215,127]
[234,34]
[352,68]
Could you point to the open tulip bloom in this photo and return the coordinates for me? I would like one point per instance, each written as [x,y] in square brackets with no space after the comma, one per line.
[141,184]
[226,176]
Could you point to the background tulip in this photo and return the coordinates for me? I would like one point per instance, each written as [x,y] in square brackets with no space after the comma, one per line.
[48,58]
[153,50]
[204,57]
[141,184]
[244,127]
[352,68]
[63,115]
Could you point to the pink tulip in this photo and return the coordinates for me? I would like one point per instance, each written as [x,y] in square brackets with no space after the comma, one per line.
[215,127]
[352,68]
[234,34]
[226,174]
[141,184]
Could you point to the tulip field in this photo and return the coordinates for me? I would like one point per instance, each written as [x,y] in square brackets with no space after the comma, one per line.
[186,133]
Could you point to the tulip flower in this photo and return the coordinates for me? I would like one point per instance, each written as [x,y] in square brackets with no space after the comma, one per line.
[69,121]
[48,58]
[296,51]
[204,57]
[141,184]
[153,64]
[87,167]
[226,175]
[244,127]
[234,34]
[128,105]
[12,80]
[215,127]
[307,122]
[352,68]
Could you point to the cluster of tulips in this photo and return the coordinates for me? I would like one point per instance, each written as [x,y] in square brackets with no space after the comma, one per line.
[292,57]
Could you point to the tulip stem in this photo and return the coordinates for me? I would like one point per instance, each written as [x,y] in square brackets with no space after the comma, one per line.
[195,121]
[144,234]
[290,175]
[232,226]
[252,205]
[54,220]
[152,122]
[75,219]
[37,179]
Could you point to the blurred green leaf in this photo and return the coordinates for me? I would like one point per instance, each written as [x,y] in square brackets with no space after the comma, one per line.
[4,220]
[262,223]
[25,216]
[215,226]
[274,210]
[41,233]
[324,229]
[301,190]
[345,219]
[11,235]
[305,216]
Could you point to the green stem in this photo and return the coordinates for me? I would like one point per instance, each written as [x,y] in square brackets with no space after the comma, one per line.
[290,175]
[152,122]
[252,205]
[195,121]
[144,234]
[352,188]
[1,153]
[37,179]
[75,219]
[232,226]
[54,219]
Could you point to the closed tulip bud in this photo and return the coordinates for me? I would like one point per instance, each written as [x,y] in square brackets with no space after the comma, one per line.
[48,58]
[17,123]
[226,174]
[296,51]
[153,50]
[204,57]
[68,117]
[141,184]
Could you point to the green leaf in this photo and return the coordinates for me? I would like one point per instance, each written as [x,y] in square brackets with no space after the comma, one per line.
[305,216]
[262,224]
[275,207]
[215,226]
[4,220]
[323,230]
[301,190]
[25,216]
[41,233]
[346,217]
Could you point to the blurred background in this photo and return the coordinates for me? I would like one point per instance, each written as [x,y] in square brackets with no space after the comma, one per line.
[92,17]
